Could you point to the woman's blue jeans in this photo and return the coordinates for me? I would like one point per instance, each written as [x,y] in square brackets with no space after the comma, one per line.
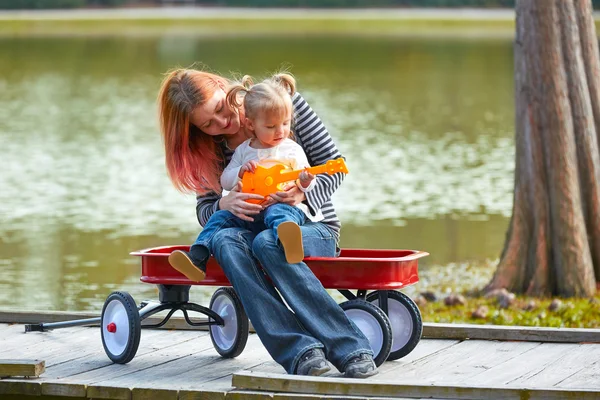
[315,319]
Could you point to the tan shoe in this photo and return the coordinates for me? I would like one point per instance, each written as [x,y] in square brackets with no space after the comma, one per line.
[290,236]
[181,261]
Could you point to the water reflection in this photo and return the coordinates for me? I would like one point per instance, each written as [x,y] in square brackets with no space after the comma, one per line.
[426,126]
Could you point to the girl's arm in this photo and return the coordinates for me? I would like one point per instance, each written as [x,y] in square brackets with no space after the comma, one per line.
[299,161]
[229,177]
[234,201]
[319,148]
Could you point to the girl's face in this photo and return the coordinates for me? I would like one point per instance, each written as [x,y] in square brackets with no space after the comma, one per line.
[271,128]
[214,117]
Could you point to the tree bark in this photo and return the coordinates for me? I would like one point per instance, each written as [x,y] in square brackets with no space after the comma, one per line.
[552,241]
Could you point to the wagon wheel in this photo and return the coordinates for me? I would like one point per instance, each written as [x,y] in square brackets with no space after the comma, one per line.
[374,324]
[230,339]
[120,327]
[405,317]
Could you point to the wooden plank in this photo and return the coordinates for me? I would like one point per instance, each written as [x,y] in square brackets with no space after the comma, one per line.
[104,370]
[496,332]
[58,389]
[585,378]
[340,386]
[23,387]
[108,392]
[29,368]
[425,349]
[19,343]
[470,363]
[202,395]
[248,395]
[510,370]
[423,368]
[580,359]
[153,394]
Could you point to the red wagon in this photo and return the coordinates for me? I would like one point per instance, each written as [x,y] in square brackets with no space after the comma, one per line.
[388,318]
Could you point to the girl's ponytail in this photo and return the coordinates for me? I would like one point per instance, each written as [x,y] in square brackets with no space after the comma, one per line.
[287,81]
[247,82]
[232,98]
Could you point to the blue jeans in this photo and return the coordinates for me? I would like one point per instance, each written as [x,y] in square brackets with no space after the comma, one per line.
[315,319]
[270,218]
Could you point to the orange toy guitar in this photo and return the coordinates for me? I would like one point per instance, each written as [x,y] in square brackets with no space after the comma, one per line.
[264,181]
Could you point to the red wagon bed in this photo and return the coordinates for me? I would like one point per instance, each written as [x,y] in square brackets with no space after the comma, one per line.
[361,269]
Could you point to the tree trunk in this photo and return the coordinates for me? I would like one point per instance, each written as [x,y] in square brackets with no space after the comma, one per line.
[553,242]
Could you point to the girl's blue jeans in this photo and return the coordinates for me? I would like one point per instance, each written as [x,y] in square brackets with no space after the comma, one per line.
[255,264]
[270,218]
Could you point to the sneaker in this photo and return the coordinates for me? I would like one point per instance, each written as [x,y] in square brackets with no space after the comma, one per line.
[361,366]
[290,236]
[191,264]
[313,363]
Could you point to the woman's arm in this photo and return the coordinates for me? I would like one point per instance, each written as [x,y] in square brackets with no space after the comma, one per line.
[206,205]
[319,148]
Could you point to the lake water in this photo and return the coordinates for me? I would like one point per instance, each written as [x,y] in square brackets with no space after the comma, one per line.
[426,125]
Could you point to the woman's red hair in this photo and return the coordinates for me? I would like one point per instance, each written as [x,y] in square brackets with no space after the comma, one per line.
[193,158]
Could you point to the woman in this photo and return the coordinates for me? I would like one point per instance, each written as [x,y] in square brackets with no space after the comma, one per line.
[200,134]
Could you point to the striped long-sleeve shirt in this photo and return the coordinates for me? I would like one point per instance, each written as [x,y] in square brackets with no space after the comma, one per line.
[319,147]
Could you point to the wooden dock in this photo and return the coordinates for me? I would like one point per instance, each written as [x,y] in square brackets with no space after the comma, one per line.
[182,364]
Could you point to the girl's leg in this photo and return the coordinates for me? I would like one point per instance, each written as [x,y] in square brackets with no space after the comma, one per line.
[192,264]
[285,221]
[303,292]
[281,333]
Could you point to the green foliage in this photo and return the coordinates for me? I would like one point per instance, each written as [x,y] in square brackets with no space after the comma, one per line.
[573,313]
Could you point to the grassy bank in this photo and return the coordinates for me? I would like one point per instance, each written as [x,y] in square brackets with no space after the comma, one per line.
[461,280]
[256,26]
[475,23]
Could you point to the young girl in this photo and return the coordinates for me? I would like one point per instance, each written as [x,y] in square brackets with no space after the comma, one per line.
[268,117]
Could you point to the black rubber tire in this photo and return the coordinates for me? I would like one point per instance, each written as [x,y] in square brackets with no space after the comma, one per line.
[242,325]
[133,324]
[383,322]
[401,300]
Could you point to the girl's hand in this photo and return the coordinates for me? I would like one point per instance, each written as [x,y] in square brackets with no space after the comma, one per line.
[250,166]
[292,196]
[306,178]
[235,202]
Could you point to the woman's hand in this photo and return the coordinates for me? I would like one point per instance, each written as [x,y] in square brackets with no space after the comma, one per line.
[235,202]
[291,195]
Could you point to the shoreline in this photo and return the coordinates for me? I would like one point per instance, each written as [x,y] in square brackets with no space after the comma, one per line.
[204,21]
[467,14]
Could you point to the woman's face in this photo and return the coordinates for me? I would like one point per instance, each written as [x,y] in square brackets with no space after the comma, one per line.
[214,117]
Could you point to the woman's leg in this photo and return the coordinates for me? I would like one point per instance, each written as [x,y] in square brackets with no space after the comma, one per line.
[303,292]
[277,327]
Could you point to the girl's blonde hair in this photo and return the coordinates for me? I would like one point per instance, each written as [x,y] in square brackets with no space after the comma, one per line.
[273,95]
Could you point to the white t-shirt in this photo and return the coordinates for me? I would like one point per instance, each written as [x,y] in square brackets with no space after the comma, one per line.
[288,153]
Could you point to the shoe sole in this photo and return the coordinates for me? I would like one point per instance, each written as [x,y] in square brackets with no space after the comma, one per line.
[290,236]
[181,262]
[362,375]
[318,371]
